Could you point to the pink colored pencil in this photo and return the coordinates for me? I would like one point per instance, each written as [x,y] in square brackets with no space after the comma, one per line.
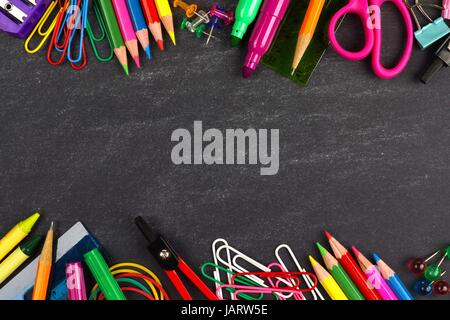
[126,28]
[374,277]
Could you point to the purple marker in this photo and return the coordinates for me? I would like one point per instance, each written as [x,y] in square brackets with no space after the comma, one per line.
[76,289]
[270,16]
[18,17]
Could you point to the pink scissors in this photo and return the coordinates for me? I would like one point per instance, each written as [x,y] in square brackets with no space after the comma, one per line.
[371,19]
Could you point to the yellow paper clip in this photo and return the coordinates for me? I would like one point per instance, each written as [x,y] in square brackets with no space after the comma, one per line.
[38,28]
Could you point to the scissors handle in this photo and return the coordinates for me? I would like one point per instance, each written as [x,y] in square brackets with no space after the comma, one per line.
[378,68]
[361,9]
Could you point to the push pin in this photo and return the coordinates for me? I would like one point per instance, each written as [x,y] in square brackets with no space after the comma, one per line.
[418,265]
[189,9]
[425,287]
[434,271]
[226,17]
[197,26]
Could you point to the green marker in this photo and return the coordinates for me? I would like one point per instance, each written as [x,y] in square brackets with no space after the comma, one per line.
[245,14]
[18,257]
[100,270]
[341,277]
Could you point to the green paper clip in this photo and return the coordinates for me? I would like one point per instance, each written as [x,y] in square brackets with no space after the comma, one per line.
[94,40]
[280,55]
[239,279]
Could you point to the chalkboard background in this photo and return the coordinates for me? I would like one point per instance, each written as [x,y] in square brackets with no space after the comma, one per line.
[365,158]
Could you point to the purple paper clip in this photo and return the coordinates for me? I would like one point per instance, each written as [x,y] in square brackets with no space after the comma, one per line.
[76,288]
[18,17]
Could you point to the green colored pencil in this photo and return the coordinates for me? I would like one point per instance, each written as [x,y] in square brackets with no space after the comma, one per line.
[112,27]
[338,273]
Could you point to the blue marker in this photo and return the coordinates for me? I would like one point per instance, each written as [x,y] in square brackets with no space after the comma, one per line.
[139,25]
[393,279]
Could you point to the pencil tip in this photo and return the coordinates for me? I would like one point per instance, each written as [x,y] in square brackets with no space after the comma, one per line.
[136,60]
[355,251]
[51,225]
[161,45]
[292,72]
[148,53]
[125,69]
[322,250]
[312,260]
[376,257]
[172,37]
[328,235]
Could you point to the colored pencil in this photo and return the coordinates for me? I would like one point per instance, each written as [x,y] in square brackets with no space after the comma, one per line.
[327,281]
[307,29]
[339,274]
[113,30]
[165,14]
[393,279]
[126,28]
[374,277]
[153,22]
[44,268]
[351,267]
[139,25]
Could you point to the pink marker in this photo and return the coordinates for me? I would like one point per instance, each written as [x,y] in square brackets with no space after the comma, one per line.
[270,16]
[76,289]
[374,278]
[126,28]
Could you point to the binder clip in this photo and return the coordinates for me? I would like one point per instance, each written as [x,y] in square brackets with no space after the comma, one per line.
[18,17]
[446,9]
[441,60]
[433,31]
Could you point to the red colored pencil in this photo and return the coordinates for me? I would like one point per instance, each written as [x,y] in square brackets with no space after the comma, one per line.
[153,21]
[353,270]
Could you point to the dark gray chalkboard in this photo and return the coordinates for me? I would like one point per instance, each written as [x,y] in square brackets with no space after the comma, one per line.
[365,158]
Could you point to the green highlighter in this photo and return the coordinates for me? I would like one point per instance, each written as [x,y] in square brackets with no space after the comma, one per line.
[245,14]
[100,270]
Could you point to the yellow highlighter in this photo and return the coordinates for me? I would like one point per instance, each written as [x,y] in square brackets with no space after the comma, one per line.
[307,30]
[17,234]
[327,281]
[165,14]
[17,257]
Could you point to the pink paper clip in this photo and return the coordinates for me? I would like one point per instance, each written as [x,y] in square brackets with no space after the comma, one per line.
[76,289]
[446,9]
[276,287]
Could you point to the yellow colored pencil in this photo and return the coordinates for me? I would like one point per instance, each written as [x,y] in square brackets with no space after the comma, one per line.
[165,14]
[44,268]
[307,30]
[327,281]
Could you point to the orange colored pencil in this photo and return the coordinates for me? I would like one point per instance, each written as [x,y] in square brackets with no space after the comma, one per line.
[44,268]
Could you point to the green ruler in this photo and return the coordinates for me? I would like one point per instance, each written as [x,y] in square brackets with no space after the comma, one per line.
[279,57]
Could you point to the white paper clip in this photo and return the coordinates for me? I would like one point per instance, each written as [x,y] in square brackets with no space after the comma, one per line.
[309,282]
[216,272]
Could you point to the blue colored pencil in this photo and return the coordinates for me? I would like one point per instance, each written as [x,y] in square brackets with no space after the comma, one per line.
[393,279]
[139,25]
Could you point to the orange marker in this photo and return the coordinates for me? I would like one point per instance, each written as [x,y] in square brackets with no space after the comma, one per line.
[44,268]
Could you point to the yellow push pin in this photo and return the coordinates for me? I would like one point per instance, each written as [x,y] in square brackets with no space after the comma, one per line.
[190,9]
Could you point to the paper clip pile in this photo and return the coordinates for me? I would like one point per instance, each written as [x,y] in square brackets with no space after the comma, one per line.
[233,281]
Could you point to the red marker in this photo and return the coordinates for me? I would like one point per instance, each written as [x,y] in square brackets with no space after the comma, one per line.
[153,21]
[270,16]
[353,270]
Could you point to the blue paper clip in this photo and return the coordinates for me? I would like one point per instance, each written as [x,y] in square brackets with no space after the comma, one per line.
[431,33]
